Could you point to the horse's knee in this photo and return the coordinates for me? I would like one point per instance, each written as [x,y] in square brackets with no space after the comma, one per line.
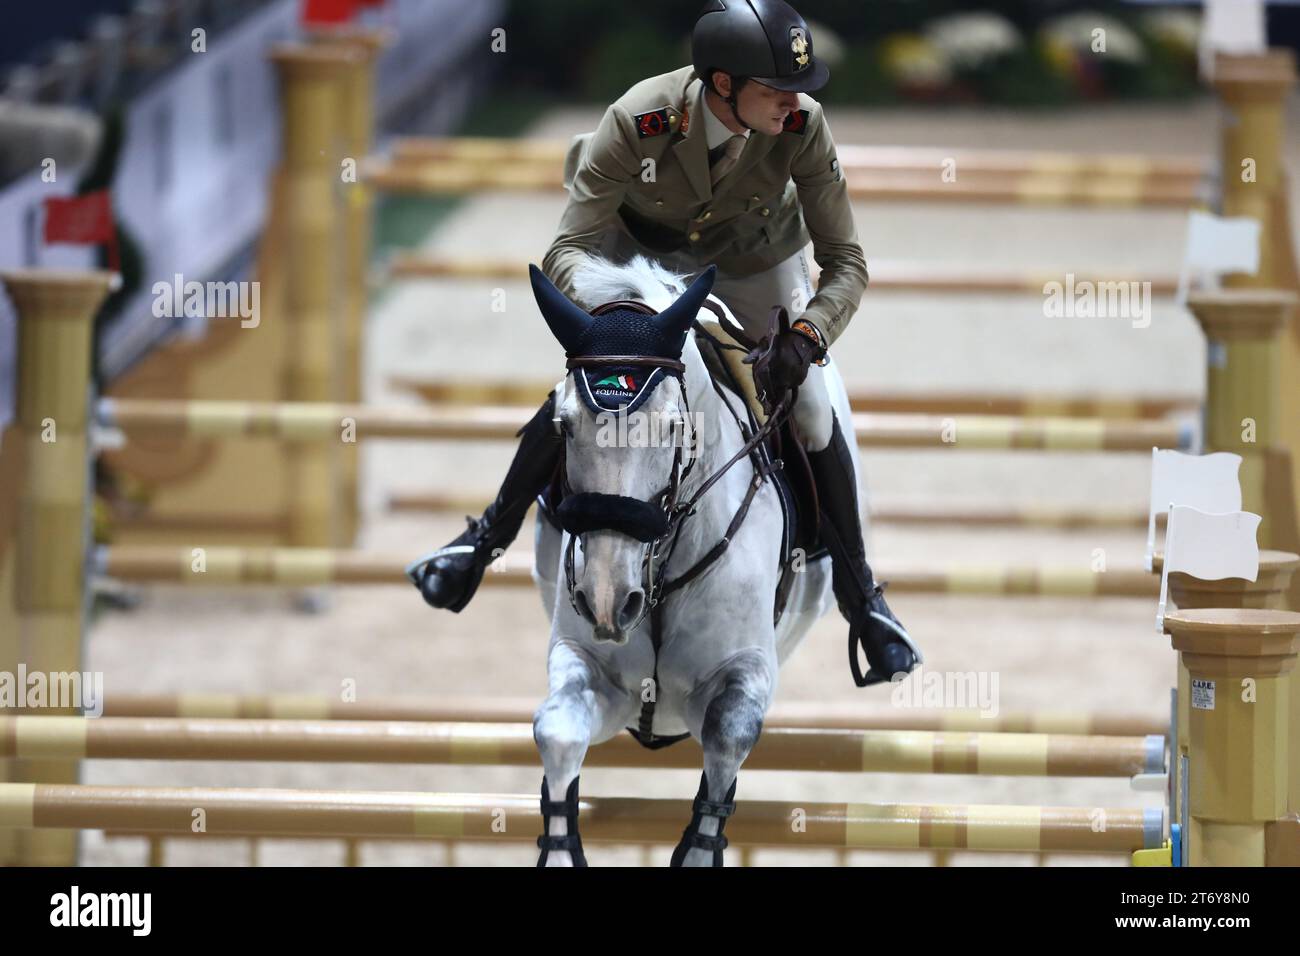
[733,720]
[562,725]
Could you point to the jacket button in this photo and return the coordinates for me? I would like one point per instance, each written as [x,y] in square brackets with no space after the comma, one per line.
[694,237]
[659,202]
[766,211]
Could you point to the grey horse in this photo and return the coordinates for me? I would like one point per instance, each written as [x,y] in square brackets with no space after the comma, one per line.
[712,672]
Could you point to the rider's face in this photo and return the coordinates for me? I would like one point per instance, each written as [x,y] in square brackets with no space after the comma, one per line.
[764,108]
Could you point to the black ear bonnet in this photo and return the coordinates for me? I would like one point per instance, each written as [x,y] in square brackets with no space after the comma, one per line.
[621,328]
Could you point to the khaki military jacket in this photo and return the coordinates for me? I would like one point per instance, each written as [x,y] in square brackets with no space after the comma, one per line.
[645,170]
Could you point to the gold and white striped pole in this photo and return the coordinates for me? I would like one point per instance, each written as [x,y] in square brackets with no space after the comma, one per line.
[369,813]
[512,744]
[55,318]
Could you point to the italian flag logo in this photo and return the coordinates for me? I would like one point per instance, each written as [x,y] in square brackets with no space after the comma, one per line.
[618,381]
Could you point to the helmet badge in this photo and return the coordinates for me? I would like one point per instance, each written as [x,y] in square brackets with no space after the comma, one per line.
[799,44]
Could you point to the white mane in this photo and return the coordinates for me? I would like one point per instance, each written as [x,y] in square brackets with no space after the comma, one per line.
[598,281]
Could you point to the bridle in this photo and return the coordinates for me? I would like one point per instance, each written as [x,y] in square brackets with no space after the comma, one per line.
[667,503]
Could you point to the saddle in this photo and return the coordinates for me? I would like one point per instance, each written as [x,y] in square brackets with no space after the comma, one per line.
[723,346]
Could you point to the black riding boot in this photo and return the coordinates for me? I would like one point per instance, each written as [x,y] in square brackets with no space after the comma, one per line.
[452,574]
[889,649]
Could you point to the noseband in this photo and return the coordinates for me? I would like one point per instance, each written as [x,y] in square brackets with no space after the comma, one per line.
[656,521]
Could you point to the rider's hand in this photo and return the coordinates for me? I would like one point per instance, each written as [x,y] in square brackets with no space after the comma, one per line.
[785,365]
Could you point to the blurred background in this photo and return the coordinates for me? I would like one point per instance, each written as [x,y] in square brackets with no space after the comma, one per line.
[174,107]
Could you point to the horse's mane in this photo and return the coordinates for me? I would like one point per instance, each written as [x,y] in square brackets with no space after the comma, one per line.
[598,280]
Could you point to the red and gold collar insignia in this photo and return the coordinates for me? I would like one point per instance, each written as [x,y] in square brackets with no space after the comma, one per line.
[653,123]
[796,122]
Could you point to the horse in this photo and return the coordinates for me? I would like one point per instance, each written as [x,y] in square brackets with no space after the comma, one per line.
[667,623]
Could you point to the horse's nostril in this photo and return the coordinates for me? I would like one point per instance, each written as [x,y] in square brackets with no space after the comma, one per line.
[631,609]
[584,609]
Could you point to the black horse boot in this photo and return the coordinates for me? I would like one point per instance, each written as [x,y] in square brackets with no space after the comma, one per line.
[888,647]
[567,808]
[692,838]
[450,576]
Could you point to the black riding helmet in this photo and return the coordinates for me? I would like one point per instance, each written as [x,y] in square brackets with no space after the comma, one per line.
[764,40]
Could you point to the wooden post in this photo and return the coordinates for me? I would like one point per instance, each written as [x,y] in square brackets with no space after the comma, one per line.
[1268,590]
[1247,412]
[55,314]
[1239,734]
[1253,91]
[357,122]
[1250,403]
[310,182]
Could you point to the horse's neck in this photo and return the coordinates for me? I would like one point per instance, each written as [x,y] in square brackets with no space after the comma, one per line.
[718,440]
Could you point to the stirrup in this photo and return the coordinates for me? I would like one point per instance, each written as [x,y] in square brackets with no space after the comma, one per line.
[873,677]
[571,841]
[692,838]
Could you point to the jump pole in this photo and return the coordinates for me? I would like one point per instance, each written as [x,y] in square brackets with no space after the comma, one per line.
[811,715]
[336,813]
[55,314]
[504,744]
[309,567]
[329,424]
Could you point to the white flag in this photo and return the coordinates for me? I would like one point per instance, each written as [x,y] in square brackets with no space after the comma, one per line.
[1205,482]
[1231,26]
[1208,546]
[1217,246]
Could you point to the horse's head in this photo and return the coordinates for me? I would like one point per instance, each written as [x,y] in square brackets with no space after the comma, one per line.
[628,438]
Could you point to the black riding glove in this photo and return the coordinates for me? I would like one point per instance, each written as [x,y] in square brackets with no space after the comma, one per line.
[785,365]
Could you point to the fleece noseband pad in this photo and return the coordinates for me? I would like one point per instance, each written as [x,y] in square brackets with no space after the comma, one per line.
[590,511]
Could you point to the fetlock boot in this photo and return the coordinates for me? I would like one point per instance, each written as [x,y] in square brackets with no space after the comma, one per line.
[571,842]
[861,600]
[692,838]
[448,577]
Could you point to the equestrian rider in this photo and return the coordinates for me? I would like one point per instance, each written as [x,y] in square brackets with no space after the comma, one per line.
[730,162]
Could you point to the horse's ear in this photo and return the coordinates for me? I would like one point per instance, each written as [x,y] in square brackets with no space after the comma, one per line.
[566,320]
[676,320]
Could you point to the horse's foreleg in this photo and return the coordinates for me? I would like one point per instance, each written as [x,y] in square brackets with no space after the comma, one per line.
[562,728]
[732,721]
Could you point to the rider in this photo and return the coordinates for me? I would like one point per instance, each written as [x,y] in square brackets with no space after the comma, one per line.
[730,162]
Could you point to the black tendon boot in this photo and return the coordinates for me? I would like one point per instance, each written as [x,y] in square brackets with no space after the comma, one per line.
[567,808]
[889,649]
[451,575]
[692,838]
